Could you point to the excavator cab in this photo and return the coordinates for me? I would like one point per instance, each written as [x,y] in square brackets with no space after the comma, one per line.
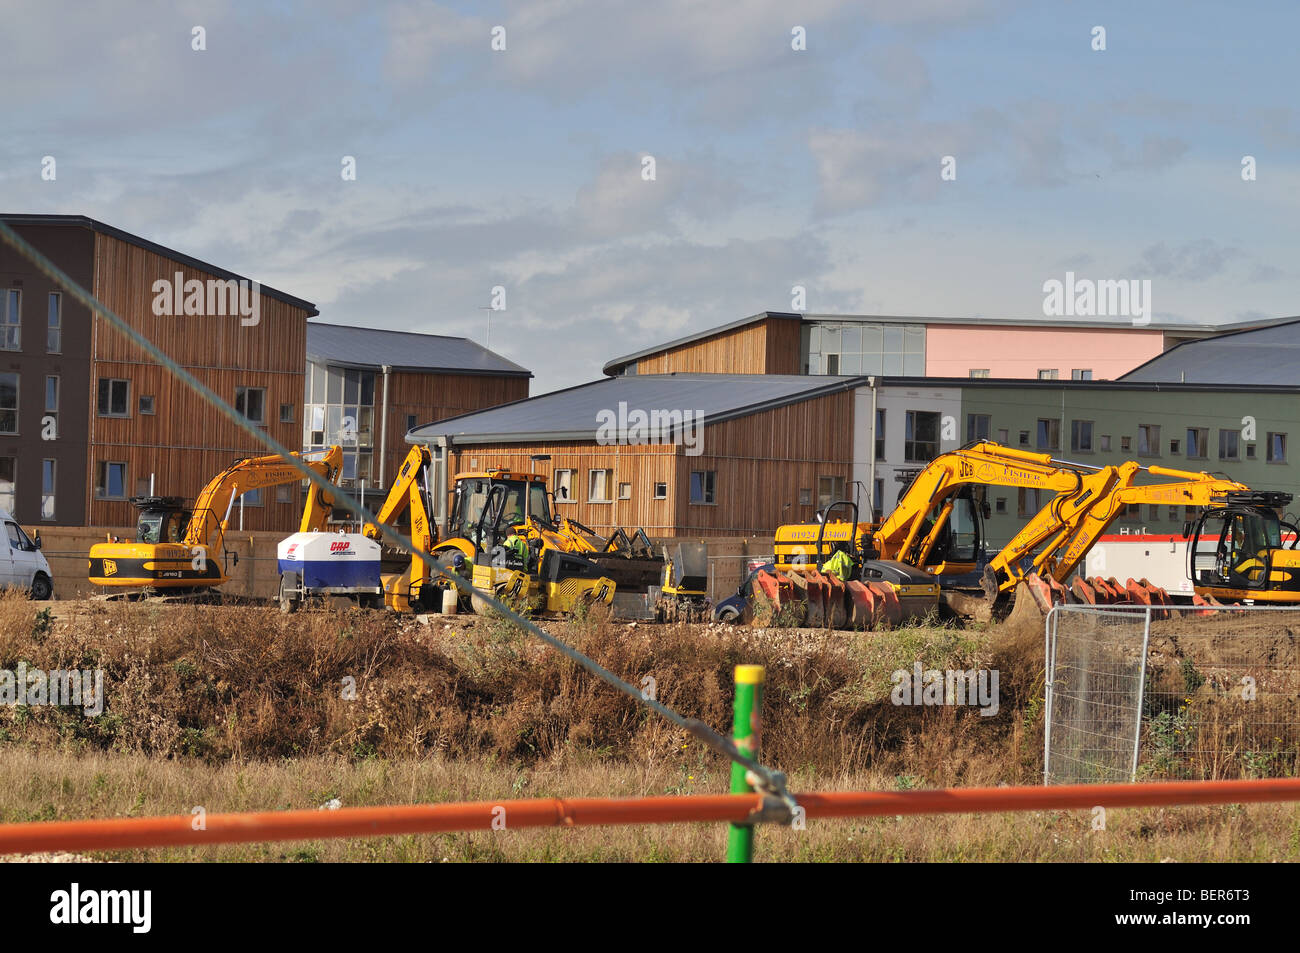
[1232,548]
[162,519]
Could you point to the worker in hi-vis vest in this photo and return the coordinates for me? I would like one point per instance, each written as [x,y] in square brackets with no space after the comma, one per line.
[839,565]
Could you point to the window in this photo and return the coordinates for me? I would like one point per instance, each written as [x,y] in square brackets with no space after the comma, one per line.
[1028,501]
[830,489]
[978,373]
[50,424]
[1004,437]
[1024,438]
[142,487]
[1047,374]
[880,434]
[1081,436]
[1131,511]
[563,486]
[284,493]
[145,404]
[250,402]
[47,489]
[1126,444]
[1175,446]
[338,409]
[11,324]
[1081,374]
[625,491]
[7,468]
[114,396]
[9,404]
[598,486]
[805,496]
[1229,448]
[702,486]
[1276,448]
[1049,433]
[286,413]
[251,497]
[411,422]
[54,332]
[878,497]
[1198,443]
[1148,440]
[1000,505]
[1105,443]
[661,491]
[110,481]
[1175,512]
[1250,451]
[921,437]
[977,427]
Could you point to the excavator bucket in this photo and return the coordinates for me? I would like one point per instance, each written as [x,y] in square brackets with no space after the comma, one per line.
[836,612]
[861,604]
[817,596]
[1032,601]
[889,609]
[1084,591]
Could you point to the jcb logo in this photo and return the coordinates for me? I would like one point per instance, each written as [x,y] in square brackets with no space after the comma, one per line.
[964,469]
[110,567]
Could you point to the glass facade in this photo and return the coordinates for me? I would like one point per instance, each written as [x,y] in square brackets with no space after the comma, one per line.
[861,347]
[339,409]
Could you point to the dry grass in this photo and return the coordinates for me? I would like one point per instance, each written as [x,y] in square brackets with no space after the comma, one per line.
[241,708]
[100,785]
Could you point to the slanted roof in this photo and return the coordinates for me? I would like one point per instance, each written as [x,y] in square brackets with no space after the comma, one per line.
[618,364]
[575,413]
[82,221]
[404,350]
[1261,356]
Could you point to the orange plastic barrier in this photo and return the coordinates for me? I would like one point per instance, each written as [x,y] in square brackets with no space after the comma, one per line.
[118,833]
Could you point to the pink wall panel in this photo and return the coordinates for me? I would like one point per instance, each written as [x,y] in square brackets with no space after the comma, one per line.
[954,350]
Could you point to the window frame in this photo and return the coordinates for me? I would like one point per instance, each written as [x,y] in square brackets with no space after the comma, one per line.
[104,465]
[1268,452]
[608,475]
[126,399]
[16,324]
[709,488]
[241,397]
[556,483]
[52,464]
[54,331]
[911,420]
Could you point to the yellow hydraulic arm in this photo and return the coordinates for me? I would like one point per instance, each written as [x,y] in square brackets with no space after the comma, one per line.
[212,507]
[1061,533]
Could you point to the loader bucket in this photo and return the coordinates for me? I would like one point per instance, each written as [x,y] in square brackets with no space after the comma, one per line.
[1083,591]
[799,588]
[1030,604]
[890,610]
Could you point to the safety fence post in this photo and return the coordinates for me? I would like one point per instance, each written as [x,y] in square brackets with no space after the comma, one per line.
[746,730]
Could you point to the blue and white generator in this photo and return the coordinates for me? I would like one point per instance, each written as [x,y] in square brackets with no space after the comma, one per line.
[329,564]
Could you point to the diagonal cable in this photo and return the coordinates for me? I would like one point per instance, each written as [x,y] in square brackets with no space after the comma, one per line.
[764,777]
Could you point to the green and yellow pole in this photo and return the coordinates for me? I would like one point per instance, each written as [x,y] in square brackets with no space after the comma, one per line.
[746,730]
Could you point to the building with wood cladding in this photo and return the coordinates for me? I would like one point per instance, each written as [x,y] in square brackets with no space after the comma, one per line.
[775,342]
[677,454]
[366,387]
[88,420]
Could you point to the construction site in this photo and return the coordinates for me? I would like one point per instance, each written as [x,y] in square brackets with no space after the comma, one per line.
[693,468]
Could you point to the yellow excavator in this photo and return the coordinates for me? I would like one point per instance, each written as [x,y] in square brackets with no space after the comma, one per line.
[181,550]
[935,534]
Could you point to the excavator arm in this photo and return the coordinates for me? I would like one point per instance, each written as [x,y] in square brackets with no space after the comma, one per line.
[1060,535]
[212,507]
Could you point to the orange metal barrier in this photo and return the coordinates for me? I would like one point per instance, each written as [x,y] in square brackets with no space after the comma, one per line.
[118,833]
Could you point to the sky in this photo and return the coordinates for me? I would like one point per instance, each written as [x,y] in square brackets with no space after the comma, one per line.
[524,168]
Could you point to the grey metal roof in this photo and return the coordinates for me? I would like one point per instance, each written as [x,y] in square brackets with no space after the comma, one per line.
[82,221]
[616,365]
[1263,356]
[572,414]
[404,350]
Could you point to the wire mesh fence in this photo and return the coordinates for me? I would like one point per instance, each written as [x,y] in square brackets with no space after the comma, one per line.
[1172,693]
[1093,713]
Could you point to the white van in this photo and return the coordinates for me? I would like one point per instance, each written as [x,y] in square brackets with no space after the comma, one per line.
[22,564]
